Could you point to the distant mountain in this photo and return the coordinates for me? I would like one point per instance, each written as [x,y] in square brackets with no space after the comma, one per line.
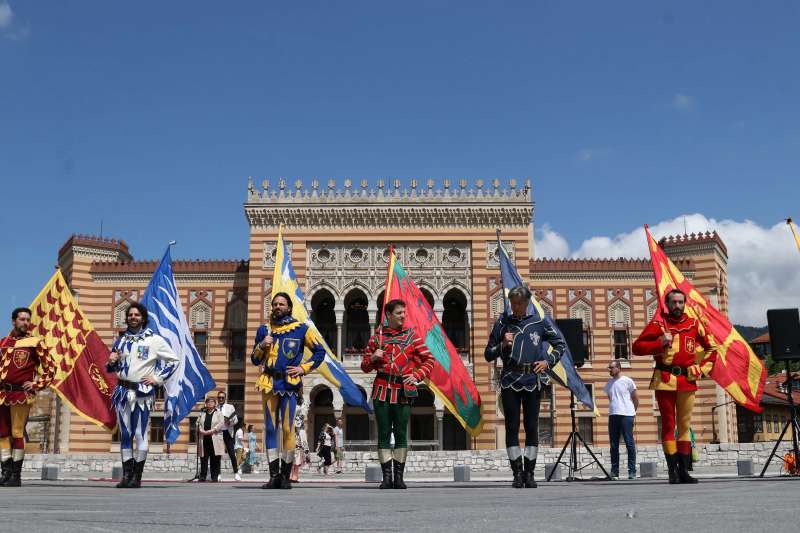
[750,332]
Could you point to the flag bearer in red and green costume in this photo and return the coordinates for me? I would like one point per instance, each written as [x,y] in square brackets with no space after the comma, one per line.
[401,361]
[683,353]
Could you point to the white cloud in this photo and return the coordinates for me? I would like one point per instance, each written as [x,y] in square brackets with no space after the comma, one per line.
[763,263]
[683,102]
[6,15]
[586,154]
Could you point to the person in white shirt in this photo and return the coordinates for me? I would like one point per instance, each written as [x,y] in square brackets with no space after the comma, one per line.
[142,361]
[623,403]
[231,419]
[338,447]
[238,445]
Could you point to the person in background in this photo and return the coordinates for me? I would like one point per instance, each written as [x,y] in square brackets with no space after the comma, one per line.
[230,420]
[238,444]
[338,447]
[623,403]
[209,438]
[301,446]
[252,444]
[324,445]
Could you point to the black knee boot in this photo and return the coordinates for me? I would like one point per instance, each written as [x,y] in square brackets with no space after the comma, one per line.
[6,472]
[672,468]
[386,469]
[684,459]
[286,474]
[136,481]
[399,469]
[16,474]
[530,465]
[127,474]
[516,469]
[275,477]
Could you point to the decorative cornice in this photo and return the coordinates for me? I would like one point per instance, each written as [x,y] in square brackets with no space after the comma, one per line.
[115,247]
[193,278]
[602,265]
[380,207]
[196,266]
[671,242]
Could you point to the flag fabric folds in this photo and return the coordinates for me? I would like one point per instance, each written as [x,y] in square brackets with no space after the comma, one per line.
[449,380]
[564,372]
[79,354]
[737,369]
[191,379]
[284,279]
[792,227]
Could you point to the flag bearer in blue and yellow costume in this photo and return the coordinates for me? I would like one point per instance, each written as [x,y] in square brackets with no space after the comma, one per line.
[279,350]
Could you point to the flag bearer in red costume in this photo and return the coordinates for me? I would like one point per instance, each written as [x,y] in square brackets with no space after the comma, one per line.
[25,368]
[401,361]
[683,353]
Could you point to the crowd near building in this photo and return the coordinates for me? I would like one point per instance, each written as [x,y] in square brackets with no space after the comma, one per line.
[444,234]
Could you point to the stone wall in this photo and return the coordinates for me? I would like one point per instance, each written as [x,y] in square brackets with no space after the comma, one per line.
[711,455]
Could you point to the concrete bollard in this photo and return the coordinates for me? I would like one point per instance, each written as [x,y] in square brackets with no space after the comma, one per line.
[647,469]
[116,473]
[744,467]
[555,468]
[373,473]
[461,473]
[246,468]
[49,472]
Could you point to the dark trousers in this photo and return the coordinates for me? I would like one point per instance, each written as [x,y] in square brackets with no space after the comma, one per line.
[215,464]
[621,425]
[228,438]
[392,418]
[527,402]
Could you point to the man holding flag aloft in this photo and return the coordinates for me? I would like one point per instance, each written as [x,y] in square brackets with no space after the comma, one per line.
[279,350]
[142,361]
[521,339]
[674,340]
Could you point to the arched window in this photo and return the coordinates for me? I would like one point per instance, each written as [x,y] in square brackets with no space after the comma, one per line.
[454,318]
[323,315]
[356,321]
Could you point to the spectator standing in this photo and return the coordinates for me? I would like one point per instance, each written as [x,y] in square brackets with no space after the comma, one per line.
[623,403]
[209,429]
[338,433]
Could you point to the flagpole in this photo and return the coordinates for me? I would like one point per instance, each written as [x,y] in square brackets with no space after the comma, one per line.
[794,232]
[386,290]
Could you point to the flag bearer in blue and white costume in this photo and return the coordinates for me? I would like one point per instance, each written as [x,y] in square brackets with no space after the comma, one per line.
[279,351]
[142,361]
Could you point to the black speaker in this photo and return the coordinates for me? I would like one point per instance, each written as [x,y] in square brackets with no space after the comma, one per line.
[572,329]
[784,334]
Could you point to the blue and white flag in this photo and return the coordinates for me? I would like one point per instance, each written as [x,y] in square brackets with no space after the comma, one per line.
[564,371]
[191,380]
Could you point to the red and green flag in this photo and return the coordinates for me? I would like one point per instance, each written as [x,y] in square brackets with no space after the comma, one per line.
[449,380]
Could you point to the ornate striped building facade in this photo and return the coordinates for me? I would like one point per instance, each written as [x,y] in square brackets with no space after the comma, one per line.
[444,234]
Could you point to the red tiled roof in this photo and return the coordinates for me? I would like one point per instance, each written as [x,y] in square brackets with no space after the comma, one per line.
[599,265]
[692,238]
[774,381]
[761,339]
[179,266]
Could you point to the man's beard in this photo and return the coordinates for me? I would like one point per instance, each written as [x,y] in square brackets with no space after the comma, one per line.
[278,314]
[676,313]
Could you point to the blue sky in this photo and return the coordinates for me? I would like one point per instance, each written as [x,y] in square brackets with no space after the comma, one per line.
[150,116]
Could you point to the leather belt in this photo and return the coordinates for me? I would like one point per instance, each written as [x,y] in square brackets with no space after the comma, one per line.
[391,378]
[674,370]
[524,368]
[274,374]
[130,385]
[11,387]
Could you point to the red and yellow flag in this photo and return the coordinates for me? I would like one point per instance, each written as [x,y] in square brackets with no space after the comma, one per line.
[737,369]
[78,352]
[449,379]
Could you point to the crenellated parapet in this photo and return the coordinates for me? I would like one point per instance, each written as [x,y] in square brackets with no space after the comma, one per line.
[389,203]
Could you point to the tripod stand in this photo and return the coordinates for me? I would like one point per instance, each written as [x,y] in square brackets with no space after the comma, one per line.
[572,443]
[791,422]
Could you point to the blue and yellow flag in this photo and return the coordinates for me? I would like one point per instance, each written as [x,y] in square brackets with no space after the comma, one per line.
[284,279]
[563,372]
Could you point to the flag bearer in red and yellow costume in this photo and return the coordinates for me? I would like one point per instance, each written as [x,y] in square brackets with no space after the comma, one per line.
[683,353]
[25,368]
[401,361]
